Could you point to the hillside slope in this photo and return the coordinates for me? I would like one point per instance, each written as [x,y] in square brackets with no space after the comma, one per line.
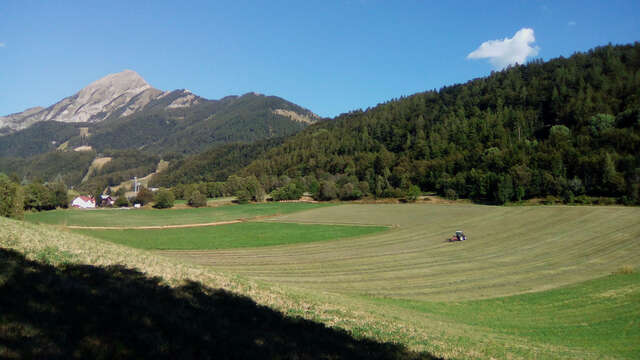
[192,129]
[73,168]
[39,138]
[215,164]
[165,308]
[565,127]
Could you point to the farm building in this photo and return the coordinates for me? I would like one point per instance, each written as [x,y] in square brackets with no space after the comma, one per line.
[106,200]
[84,202]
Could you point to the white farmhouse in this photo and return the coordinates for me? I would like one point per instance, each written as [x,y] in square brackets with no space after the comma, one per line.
[84,202]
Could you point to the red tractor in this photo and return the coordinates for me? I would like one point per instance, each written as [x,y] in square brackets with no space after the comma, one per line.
[459,236]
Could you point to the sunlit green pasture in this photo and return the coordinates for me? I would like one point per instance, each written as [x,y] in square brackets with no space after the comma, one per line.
[510,250]
[531,282]
[240,235]
[154,217]
[601,316]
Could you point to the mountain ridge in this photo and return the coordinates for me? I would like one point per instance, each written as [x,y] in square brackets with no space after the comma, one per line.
[95,102]
[122,111]
[112,96]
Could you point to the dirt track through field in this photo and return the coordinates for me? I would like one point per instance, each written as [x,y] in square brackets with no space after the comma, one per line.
[217,223]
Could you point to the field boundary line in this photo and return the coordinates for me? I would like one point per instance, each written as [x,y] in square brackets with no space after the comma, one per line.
[312,222]
[152,227]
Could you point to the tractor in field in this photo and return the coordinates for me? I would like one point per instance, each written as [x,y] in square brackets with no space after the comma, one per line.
[459,236]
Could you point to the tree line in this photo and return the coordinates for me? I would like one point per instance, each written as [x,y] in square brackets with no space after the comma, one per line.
[16,198]
[277,188]
[566,129]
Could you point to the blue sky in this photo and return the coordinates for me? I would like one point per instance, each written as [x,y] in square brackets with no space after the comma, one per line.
[328,56]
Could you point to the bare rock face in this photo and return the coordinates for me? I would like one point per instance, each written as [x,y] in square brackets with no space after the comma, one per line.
[187,99]
[309,118]
[98,100]
[125,92]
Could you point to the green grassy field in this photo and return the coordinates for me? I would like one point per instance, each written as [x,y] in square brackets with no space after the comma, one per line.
[511,250]
[528,282]
[67,296]
[153,217]
[240,235]
[531,282]
[600,316]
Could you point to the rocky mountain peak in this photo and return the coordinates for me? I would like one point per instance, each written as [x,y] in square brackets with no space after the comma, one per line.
[122,82]
[121,94]
[126,93]
[103,96]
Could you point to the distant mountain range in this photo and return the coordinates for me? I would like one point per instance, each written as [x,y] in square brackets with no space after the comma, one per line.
[123,111]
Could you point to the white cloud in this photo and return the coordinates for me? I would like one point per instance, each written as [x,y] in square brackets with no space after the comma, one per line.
[507,51]
[572,23]
[2,44]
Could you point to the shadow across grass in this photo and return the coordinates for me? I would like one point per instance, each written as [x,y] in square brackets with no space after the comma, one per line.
[83,311]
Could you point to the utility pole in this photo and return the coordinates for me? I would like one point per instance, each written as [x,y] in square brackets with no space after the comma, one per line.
[135,184]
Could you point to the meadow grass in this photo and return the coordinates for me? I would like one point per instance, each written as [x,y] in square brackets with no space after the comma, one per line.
[239,235]
[531,282]
[154,217]
[600,315]
[210,201]
[66,296]
[511,250]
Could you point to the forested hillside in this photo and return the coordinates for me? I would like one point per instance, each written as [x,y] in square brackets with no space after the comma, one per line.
[67,167]
[123,166]
[39,138]
[166,127]
[161,127]
[193,129]
[70,167]
[564,128]
[215,164]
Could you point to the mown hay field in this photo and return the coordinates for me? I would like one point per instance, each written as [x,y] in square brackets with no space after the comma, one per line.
[531,282]
[511,250]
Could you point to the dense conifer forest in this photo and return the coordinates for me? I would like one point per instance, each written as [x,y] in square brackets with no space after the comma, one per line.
[566,128]
[213,165]
[194,129]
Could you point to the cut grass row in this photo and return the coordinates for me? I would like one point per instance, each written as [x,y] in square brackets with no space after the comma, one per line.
[240,235]
[153,217]
[552,259]
[511,250]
